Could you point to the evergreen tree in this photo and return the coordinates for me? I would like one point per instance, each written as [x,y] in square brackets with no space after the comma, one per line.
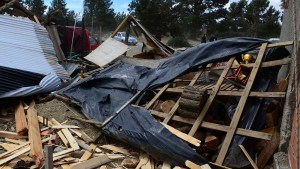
[100,13]
[58,4]
[199,15]
[155,15]
[36,6]
[263,19]
[119,17]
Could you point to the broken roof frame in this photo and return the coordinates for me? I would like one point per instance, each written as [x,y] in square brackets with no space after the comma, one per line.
[221,89]
[128,21]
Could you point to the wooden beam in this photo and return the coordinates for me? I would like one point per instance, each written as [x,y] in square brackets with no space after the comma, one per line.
[48,150]
[218,127]
[68,135]
[182,135]
[36,151]
[211,98]
[175,107]
[63,138]
[240,107]
[287,43]
[12,135]
[236,93]
[25,150]
[92,163]
[248,157]
[21,123]
[122,24]
[161,91]
[279,62]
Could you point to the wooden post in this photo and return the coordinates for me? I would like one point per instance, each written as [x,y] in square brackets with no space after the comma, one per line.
[21,123]
[36,151]
[48,150]
[240,107]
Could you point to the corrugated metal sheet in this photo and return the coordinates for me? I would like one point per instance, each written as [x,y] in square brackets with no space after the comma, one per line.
[28,63]
[25,45]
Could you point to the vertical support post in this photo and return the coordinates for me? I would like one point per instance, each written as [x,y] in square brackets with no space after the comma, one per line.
[48,151]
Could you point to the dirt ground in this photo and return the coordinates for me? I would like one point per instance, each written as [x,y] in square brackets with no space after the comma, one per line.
[59,110]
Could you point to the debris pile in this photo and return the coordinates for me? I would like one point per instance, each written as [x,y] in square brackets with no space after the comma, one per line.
[214,105]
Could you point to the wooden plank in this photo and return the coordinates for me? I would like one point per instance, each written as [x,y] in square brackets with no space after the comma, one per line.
[175,107]
[36,151]
[68,135]
[237,93]
[218,127]
[161,91]
[65,127]
[62,153]
[144,158]
[248,157]
[192,165]
[122,24]
[23,151]
[21,123]
[287,43]
[14,141]
[63,138]
[182,135]
[5,160]
[108,51]
[115,149]
[279,62]
[268,150]
[12,135]
[36,19]
[48,150]
[88,154]
[211,98]
[92,163]
[240,107]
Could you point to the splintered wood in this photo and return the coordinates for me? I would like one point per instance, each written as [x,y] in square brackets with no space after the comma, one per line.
[36,151]
[21,123]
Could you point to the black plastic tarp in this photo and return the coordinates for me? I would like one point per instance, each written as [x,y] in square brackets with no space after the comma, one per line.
[106,91]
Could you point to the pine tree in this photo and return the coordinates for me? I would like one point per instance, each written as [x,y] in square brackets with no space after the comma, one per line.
[101,13]
[155,15]
[58,4]
[36,6]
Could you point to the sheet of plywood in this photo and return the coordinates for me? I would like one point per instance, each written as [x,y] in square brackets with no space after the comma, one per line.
[108,51]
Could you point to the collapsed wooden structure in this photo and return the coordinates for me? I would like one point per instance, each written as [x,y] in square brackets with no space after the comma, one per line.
[223,88]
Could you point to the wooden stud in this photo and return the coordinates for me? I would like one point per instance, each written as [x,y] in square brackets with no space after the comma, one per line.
[218,127]
[240,107]
[36,151]
[161,91]
[115,149]
[48,150]
[183,136]
[248,157]
[12,135]
[68,135]
[211,98]
[92,163]
[21,123]
[63,138]
[237,93]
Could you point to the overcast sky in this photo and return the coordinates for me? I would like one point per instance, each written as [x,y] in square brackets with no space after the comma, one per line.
[122,5]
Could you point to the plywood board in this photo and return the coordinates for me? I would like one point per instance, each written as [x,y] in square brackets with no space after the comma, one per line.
[108,51]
